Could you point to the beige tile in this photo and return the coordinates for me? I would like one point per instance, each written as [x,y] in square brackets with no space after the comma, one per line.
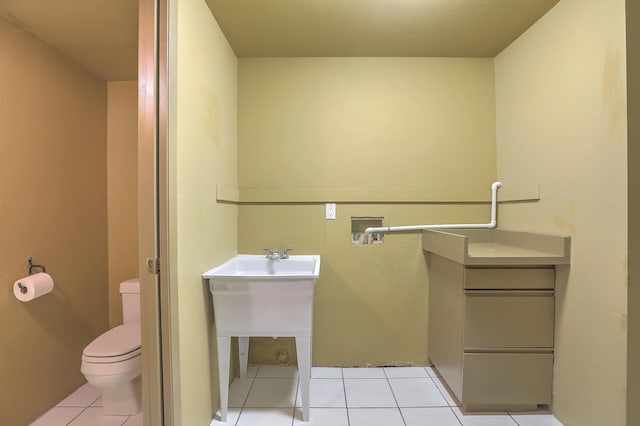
[325,393]
[536,419]
[134,420]
[364,373]
[431,416]
[365,393]
[323,417]
[84,396]
[265,417]
[239,390]
[272,393]
[405,372]
[232,417]
[58,416]
[375,417]
[277,371]
[417,392]
[484,419]
[326,373]
[93,416]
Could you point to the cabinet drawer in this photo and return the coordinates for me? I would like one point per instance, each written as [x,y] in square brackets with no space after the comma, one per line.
[508,379]
[509,278]
[508,319]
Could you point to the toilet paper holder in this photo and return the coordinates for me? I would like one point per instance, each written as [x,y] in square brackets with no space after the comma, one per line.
[33,265]
[23,288]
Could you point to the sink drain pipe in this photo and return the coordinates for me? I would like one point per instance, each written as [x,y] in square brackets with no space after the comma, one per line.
[491,225]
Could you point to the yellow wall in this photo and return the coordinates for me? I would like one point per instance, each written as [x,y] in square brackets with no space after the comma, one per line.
[370,303]
[53,179]
[122,189]
[380,126]
[384,123]
[203,233]
[561,122]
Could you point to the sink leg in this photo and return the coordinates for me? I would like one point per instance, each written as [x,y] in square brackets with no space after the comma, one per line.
[224,348]
[303,350]
[243,349]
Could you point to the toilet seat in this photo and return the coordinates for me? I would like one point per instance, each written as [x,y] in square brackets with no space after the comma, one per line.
[116,345]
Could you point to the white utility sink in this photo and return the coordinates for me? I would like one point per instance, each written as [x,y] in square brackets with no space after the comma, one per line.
[256,296]
[250,266]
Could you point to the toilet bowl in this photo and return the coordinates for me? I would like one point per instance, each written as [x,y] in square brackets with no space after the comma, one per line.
[111,362]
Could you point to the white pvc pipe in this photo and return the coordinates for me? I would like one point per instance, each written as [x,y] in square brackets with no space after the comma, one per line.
[491,225]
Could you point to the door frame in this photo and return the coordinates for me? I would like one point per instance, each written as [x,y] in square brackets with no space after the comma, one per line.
[160,395]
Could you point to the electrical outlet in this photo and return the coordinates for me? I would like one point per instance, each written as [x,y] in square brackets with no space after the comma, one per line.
[330,211]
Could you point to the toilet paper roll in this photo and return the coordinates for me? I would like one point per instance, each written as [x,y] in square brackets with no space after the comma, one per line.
[33,286]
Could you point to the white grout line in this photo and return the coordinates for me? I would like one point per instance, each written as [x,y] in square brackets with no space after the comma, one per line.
[441,390]
[394,396]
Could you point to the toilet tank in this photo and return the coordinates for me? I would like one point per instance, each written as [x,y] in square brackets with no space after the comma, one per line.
[130,292]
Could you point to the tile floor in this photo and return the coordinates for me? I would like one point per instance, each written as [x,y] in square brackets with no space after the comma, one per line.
[268,396]
[84,408]
[395,396]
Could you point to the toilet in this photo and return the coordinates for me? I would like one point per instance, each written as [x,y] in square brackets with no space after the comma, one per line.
[111,362]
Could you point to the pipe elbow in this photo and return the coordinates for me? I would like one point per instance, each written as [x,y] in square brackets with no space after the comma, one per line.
[496,185]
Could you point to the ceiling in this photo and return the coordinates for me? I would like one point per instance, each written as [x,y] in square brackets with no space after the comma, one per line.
[465,28]
[101,35]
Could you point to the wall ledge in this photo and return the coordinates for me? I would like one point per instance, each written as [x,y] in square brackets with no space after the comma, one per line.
[311,195]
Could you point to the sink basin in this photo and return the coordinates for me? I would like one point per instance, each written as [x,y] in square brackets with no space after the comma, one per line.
[256,296]
[245,266]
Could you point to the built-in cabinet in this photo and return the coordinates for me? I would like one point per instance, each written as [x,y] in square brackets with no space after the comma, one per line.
[491,315]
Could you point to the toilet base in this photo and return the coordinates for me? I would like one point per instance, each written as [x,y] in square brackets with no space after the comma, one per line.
[124,399]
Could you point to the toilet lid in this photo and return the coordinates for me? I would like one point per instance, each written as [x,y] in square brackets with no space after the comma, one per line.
[116,342]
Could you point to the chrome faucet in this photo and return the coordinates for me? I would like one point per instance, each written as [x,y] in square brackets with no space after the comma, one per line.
[284,254]
[274,254]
